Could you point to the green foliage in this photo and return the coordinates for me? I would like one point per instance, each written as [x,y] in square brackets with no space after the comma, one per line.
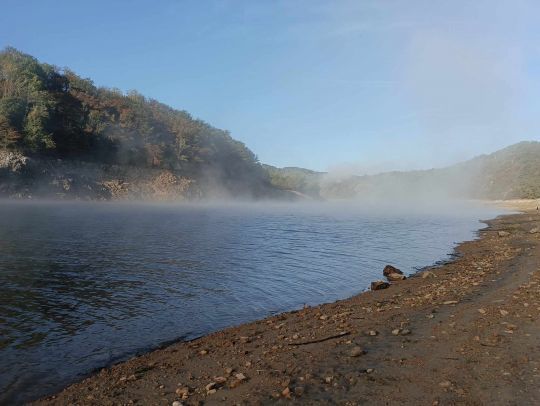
[296,179]
[12,115]
[53,112]
[511,173]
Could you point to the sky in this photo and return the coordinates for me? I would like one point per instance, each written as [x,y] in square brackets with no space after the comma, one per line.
[342,85]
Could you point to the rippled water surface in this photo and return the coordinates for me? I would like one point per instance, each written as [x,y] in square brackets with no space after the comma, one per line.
[85,285]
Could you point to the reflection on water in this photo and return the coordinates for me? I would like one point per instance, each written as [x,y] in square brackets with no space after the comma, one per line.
[85,285]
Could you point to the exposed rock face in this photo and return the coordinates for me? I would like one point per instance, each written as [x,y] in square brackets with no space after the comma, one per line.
[389,269]
[13,162]
[24,177]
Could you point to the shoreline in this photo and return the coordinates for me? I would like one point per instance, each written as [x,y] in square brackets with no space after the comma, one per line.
[350,351]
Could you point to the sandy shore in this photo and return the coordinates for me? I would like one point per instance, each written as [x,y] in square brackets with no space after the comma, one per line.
[464,333]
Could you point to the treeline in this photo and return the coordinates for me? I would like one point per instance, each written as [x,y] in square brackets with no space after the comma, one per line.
[301,180]
[50,112]
[510,173]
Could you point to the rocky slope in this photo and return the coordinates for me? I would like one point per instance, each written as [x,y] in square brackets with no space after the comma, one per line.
[27,178]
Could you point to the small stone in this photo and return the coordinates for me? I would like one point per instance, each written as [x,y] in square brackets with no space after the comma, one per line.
[229,371]
[220,379]
[482,311]
[299,390]
[286,392]
[295,337]
[182,392]
[329,379]
[428,274]
[176,403]
[450,302]
[210,386]
[445,384]
[323,317]
[369,370]
[503,312]
[503,233]
[534,230]
[373,332]
[211,392]
[240,376]
[203,352]
[396,331]
[357,351]
[405,332]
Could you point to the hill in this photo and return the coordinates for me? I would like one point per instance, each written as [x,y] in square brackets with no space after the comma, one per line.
[304,181]
[61,135]
[510,173]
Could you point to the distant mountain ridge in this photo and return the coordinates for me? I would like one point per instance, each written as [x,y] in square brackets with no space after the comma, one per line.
[510,173]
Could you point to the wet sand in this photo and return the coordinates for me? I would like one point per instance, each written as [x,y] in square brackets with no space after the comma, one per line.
[467,332]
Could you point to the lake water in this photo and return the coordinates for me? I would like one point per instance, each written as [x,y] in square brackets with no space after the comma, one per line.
[86,285]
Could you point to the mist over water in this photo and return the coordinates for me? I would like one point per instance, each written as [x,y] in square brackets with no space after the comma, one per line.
[86,285]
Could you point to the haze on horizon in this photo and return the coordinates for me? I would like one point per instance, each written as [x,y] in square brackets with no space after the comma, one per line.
[349,86]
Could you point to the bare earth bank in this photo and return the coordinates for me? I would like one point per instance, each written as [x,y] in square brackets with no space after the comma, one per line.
[464,333]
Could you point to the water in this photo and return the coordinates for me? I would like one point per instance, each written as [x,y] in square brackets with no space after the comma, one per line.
[86,285]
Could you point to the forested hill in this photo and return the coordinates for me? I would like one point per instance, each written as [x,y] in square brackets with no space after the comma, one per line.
[60,134]
[304,181]
[510,173]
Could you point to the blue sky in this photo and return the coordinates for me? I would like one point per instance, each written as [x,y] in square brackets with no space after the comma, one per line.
[357,86]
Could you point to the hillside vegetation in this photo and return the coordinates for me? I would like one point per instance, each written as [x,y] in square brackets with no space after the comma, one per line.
[511,173]
[301,180]
[48,113]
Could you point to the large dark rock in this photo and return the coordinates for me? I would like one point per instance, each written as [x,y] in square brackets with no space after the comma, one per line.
[389,269]
[378,285]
